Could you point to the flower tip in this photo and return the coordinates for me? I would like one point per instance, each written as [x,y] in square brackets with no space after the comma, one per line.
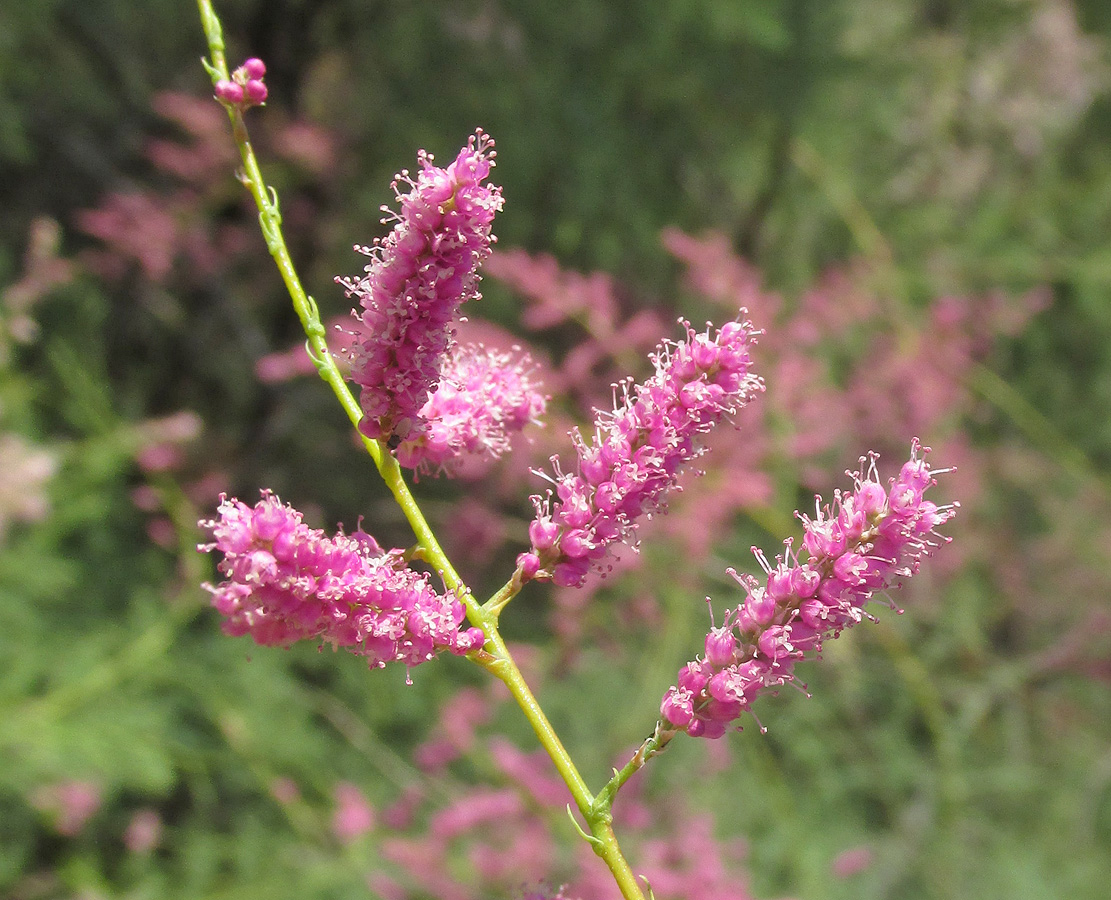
[528,564]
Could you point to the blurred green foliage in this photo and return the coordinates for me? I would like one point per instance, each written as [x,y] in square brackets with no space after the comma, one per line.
[958,147]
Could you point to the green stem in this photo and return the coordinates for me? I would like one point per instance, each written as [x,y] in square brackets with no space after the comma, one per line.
[653,746]
[602,838]
[507,592]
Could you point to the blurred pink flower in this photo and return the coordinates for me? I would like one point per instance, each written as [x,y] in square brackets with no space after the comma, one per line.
[353,816]
[138,228]
[69,804]
[25,471]
[285,790]
[144,831]
[43,270]
[852,861]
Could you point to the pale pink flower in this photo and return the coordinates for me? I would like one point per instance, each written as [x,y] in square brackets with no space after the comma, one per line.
[70,804]
[852,861]
[483,398]
[144,831]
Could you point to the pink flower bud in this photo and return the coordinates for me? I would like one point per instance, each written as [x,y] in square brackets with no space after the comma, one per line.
[721,644]
[760,606]
[254,68]
[805,581]
[543,533]
[529,564]
[255,92]
[229,92]
[676,708]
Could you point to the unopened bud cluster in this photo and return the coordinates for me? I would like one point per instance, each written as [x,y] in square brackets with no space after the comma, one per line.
[864,544]
[245,88]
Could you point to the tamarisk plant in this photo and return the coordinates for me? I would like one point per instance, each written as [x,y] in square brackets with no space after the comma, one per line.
[425,404]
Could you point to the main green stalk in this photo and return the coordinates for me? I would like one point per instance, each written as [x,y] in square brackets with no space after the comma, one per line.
[495,656]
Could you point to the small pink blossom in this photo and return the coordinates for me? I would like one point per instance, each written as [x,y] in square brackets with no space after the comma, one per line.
[144,832]
[285,790]
[852,861]
[69,804]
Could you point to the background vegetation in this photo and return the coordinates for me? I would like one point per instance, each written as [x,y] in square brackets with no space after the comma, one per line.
[922,192]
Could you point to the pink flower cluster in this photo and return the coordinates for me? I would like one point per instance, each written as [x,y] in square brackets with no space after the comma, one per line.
[245,88]
[418,277]
[638,451]
[286,582]
[484,396]
[862,545]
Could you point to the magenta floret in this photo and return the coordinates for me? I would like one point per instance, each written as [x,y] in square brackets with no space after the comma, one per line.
[287,582]
[862,545]
[638,450]
[418,277]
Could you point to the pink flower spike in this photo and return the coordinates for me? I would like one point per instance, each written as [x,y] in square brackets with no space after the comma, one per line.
[286,582]
[418,277]
[864,544]
[639,449]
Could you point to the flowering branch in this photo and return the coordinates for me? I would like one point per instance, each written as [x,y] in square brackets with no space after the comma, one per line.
[246,570]
[425,404]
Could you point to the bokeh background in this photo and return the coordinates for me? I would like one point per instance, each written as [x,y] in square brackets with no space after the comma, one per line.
[913,199]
